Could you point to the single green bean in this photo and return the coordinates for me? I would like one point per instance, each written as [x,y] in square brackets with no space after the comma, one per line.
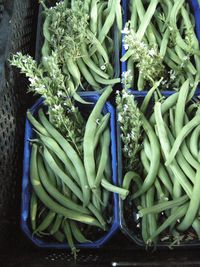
[162,206]
[77,233]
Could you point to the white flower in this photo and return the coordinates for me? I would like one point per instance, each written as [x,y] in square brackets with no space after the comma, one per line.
[126,148]
[152,52]
[103,67]
[126,46]
[120,117]
[32,80]
[125,107]
[125,30]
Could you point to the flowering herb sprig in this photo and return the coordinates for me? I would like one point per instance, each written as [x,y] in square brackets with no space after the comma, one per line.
[129,118]
[68,29]
[149,62]
[52,85]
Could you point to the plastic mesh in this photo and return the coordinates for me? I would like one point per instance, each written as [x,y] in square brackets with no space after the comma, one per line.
[17,26]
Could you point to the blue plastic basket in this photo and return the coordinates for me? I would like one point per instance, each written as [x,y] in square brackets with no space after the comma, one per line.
[26,185]
[196,12]
[128,224]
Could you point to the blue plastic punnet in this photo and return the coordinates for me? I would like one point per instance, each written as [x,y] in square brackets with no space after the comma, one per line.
[27,189]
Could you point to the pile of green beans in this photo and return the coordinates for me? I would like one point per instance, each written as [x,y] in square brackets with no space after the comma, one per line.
[166,187]
[166,29]
[70,194]
[86,58]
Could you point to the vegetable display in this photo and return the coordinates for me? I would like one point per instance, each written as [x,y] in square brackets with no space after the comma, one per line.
[165,182]
[83,36]
[71,191]
[160,42]
[71,153]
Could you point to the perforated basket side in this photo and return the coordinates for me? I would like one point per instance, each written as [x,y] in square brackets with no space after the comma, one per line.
[17,28]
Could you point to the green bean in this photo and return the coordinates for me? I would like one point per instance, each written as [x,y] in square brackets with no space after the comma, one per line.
[99,47]
[68,234]
[133,13]
[95,201]
[33,210]
[182,135]
[193,205]
[164,43]
[96,60]
[196,227]
[36,124]
[50,174]
[73,70]
[146,166]
[165,145]
[187,169]
[101,128]
[105,199]
[108,22]
[140,82]
[93,16]
[162,206]
[130,68]
[162,174]
[101,7]
[86,58]
[149,31]
[98,215]
[77,233]
[148,96]
[194,142]
[145,228]
[59,236]
[105,81]
[188,156]
[172,121]
[56,225]
[46,222]
[89,136]
[151,219]
[190,67]
[118,17]
[155,158]
[51,144]
[105,144]
[66,191]
[71,153]
[52,191]
[146,19]
[131,176]
[47,201]
[46,31]
[167,104]
[112,188]
[171,219]
[87,74]
[63,176]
